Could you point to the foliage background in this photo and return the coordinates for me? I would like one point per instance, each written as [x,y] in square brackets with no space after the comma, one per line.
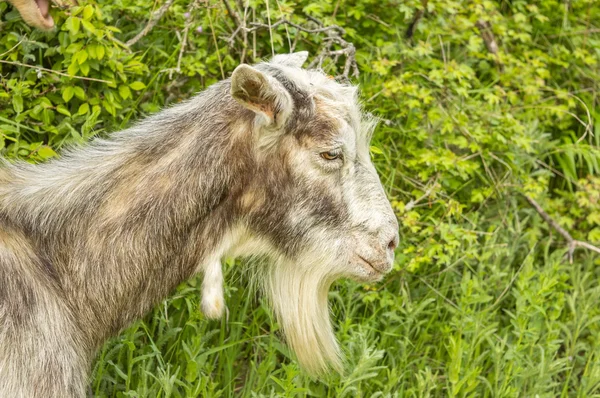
[482,302]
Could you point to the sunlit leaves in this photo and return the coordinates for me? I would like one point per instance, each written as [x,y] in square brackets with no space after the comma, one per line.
[72,24]
[57,106]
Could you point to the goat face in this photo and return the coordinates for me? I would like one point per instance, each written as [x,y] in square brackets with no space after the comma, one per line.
[317,191]
[315,201]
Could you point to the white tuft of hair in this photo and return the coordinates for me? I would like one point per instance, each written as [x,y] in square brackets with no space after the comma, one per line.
[213,300]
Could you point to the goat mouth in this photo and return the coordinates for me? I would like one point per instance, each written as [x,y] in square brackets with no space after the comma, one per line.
[369,266]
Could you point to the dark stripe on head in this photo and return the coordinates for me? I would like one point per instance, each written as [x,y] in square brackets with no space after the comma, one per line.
[300,97]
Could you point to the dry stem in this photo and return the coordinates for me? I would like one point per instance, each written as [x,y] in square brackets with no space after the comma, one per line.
[156,16]
[184,40]
[334,33]
[490,40]
[54,71]
[572,243]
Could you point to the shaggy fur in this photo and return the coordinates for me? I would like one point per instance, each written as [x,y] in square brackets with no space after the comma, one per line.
[272,162]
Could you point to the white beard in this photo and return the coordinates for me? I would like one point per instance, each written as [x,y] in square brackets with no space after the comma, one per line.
[297,291]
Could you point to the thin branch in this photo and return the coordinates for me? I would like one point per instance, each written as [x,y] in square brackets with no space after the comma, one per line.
[233,36]
[578,32]
[410,31]
[54,71]
[446,299]
[156,16]
[245,38]
[239,24]
[348,50]
[214,36]
[513,279]
[333,32]
[12,48]
[490,40]
[284,21]
[231,11]
[410,205]
[270,27]
[253,35]
[572,243]
[287,31]
[375,18]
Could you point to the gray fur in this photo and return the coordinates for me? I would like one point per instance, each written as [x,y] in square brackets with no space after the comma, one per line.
[92,241]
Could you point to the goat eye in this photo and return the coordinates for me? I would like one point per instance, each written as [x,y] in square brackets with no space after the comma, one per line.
[332,155]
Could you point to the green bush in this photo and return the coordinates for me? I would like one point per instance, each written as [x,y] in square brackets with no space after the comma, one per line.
[483,103]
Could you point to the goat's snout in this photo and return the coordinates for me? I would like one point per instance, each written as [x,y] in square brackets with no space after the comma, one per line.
[389,245]
[376,254]
[393,243]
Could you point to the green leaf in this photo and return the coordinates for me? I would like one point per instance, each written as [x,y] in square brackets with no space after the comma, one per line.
[17,102]
[100,51]
[47,116]
[62,109]
[79,93]
[85,68]
[74,47]
[137,85]
[83,108]
[88,12]
[72,24]
[376,150]
[74,133]
[67,93]
[91,50]
[73,68]
[191,371]
[113,29]
[110,108]
[81,56]
[124,91]
[89,26]
[76,10]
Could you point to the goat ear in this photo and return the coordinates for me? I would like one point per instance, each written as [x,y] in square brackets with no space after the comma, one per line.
[295,60]
[253,90]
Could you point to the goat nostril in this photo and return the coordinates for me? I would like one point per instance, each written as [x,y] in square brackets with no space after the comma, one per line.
[393,243]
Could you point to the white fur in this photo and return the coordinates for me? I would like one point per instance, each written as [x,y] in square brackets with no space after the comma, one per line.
[213,301]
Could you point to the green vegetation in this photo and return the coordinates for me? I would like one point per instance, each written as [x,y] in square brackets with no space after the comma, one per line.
[483,301]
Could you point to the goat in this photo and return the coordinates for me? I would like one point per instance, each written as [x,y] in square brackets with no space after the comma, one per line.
[273,162]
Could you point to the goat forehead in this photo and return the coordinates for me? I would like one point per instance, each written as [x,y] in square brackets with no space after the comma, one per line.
[313,81]
[305,84]
[331,118]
